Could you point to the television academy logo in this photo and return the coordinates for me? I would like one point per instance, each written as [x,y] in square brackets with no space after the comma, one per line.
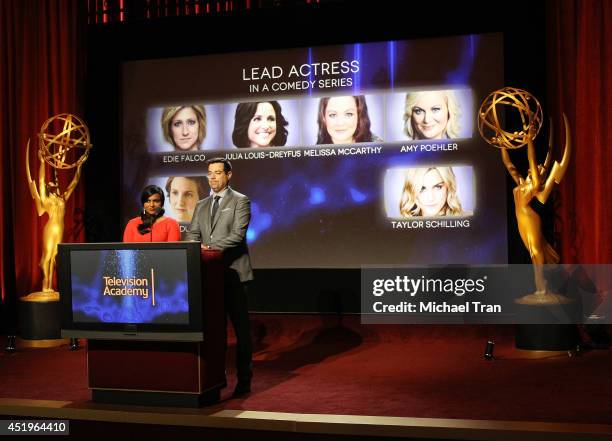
[143,287]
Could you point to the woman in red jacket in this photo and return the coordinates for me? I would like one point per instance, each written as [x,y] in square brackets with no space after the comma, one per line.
[152,225]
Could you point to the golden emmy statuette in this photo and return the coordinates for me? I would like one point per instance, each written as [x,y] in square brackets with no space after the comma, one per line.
[63,145]
[538,183]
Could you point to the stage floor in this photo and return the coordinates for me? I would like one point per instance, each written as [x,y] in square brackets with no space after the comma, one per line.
[333,374]
[86,418]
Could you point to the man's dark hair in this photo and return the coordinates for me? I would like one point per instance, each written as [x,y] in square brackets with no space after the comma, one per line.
[227,166]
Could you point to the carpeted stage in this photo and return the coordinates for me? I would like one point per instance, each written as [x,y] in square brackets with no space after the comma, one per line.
[328,377]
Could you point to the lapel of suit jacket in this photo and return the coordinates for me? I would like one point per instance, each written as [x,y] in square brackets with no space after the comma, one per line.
[206,213]
[226,199]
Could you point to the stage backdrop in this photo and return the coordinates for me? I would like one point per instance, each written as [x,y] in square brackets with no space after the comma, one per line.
[344,137]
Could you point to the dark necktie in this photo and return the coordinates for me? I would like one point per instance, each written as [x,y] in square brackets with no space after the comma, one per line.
[214,209]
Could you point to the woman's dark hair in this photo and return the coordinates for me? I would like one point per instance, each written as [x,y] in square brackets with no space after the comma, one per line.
[147,219]
[362,132]
[243,117]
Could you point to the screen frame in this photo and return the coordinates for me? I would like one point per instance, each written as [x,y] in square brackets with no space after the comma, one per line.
[267,240]
[193,331]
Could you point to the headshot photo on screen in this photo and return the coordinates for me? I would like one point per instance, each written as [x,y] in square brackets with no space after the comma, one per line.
[261,124]
[183,128]
[343,119]
[430,191]
[182,195]
[429,114]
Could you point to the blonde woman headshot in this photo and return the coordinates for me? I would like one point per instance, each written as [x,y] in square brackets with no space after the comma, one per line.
[431,115]
[430,191]
[184,127]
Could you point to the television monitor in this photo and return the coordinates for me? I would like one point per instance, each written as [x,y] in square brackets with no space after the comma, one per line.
[134,291]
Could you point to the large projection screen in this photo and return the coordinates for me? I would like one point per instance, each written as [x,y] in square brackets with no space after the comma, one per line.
[379,162]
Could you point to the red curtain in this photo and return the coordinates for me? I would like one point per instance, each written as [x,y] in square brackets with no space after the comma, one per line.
[41,74]
[580,84]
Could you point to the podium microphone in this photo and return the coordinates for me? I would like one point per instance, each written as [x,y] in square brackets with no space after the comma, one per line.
[158,210]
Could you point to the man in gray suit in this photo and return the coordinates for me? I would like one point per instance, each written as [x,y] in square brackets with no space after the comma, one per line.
[220,222]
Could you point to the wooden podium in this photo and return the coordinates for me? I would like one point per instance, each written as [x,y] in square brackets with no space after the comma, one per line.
[166,373]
